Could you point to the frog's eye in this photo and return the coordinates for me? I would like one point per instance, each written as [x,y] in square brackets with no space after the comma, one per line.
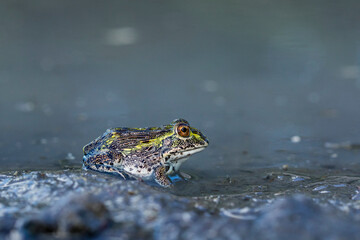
[183,130]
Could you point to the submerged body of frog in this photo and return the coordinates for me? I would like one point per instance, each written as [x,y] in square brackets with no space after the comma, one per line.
[145,153]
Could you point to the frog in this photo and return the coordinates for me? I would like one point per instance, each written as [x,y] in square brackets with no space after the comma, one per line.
[153,153]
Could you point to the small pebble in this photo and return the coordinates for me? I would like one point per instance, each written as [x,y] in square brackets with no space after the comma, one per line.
[69,156]
[285,167]
[320,188]
[121,36]
[295,139]
[297,179]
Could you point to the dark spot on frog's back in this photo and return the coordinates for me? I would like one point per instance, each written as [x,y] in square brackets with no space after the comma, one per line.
[112,146]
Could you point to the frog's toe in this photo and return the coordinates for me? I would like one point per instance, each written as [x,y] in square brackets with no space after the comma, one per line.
[185,176]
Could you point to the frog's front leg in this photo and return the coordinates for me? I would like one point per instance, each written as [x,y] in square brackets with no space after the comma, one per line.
[161,178]
[102,163]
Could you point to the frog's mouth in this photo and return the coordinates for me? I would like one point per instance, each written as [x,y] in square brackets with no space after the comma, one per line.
[174,162]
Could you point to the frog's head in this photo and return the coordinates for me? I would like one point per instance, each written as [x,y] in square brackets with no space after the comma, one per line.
[181,144]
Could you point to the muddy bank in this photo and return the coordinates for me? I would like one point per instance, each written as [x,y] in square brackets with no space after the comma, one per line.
[76,204]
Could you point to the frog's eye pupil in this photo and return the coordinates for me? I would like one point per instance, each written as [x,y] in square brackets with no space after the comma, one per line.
[183,131]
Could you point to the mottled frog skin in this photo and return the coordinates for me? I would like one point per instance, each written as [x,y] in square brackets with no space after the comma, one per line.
[144,153]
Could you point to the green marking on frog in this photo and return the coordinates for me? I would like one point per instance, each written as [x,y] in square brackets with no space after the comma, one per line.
[144,153]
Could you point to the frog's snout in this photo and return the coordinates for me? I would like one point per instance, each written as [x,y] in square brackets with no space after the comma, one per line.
[206,141]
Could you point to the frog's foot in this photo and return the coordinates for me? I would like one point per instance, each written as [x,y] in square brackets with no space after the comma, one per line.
[161,178]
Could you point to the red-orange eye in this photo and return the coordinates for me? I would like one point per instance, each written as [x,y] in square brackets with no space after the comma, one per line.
[183,130]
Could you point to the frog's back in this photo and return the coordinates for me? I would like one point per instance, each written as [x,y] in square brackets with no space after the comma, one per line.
[124,151]
[117,139]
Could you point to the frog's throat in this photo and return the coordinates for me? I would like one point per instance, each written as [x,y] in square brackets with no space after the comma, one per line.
[175,161]
[174,166]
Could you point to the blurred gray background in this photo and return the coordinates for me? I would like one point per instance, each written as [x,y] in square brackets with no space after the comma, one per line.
[269,82]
